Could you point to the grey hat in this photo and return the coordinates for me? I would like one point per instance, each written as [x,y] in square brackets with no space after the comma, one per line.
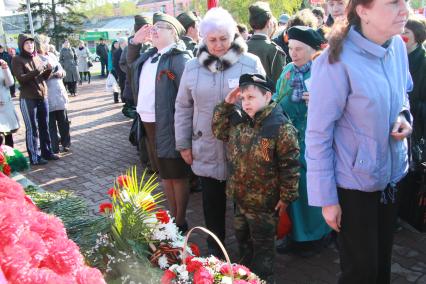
[283,19]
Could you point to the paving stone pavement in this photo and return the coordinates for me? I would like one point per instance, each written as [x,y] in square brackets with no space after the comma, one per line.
[100,151]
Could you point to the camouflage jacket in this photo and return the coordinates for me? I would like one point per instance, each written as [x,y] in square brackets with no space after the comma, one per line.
[263,156]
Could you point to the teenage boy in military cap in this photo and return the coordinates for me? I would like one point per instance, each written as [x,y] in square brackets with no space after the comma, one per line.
[192,35]
[263,155]
[260,44]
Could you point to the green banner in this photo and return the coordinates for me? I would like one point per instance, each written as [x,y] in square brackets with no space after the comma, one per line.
[93,36]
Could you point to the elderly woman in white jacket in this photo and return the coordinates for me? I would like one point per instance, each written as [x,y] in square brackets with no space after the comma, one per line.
[222,58]
[9,122]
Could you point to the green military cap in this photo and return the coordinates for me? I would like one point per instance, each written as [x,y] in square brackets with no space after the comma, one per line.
[141,21]
[180,30]
[258,80]
[187,19]
[260,10]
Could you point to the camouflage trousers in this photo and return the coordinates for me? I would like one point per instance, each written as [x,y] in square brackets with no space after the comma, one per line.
[255,233]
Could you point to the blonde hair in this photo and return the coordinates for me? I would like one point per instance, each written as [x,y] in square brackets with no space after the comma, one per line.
[42,43]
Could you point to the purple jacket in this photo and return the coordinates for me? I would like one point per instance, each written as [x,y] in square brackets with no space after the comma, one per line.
[353,106]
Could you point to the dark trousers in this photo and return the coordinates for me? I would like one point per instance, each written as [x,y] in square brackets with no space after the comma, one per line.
[8,139]
[104,66]
[12,90]
[35,113]
[84,76]
[115,93]
[58,120]
[366,237]
[71,87]
[214,208]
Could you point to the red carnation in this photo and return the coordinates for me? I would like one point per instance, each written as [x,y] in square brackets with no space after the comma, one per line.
[105,207]
[123,180]
[193,265]
[168,276]
[112,192]
[195,249]
[203,276]
[225,269]
[162,216]
[2,159]
[7,169]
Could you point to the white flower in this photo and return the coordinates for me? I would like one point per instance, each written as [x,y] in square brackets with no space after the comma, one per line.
[241,272]
[174,267]
[124,196]
[184,275]
[151,220]
[212,260]
[226,280]
[181,269]
[162,262]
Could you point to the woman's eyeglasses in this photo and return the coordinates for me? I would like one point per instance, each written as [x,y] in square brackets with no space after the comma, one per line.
[155,28]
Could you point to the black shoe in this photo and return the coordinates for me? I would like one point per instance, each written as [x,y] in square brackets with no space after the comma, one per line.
[40,162]
[183,228]
[53,157]
[286,247]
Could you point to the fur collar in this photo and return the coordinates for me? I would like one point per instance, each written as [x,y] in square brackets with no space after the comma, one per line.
[216,64]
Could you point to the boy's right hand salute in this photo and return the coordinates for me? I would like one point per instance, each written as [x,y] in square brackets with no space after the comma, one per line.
[233,96]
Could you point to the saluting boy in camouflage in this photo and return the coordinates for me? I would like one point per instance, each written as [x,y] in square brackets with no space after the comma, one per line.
[263,156]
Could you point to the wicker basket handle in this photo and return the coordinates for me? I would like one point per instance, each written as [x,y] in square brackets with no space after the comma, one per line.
[228,260]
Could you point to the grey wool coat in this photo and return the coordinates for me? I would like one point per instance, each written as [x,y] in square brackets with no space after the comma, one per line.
[205,83]
[68,60]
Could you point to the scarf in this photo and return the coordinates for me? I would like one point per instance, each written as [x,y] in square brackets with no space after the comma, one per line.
[216,64]
[297,84]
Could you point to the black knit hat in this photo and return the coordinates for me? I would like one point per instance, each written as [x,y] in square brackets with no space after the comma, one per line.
[258,80]
[306,35]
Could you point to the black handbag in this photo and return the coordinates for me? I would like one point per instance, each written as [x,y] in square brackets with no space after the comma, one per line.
[133,135]
[89,64]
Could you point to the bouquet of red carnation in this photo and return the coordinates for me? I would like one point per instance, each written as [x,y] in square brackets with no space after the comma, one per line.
[34,247]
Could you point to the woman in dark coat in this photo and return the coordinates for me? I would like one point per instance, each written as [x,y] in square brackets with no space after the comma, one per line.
[68,60]
[156,78]
[121,75]
[414,37]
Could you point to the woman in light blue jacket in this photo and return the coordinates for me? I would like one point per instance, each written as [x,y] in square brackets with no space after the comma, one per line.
[358,120]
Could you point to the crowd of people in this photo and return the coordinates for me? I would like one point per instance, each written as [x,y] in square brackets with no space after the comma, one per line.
[313,115]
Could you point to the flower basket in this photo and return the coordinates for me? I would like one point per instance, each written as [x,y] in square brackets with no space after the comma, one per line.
[199,270]
[225,253]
